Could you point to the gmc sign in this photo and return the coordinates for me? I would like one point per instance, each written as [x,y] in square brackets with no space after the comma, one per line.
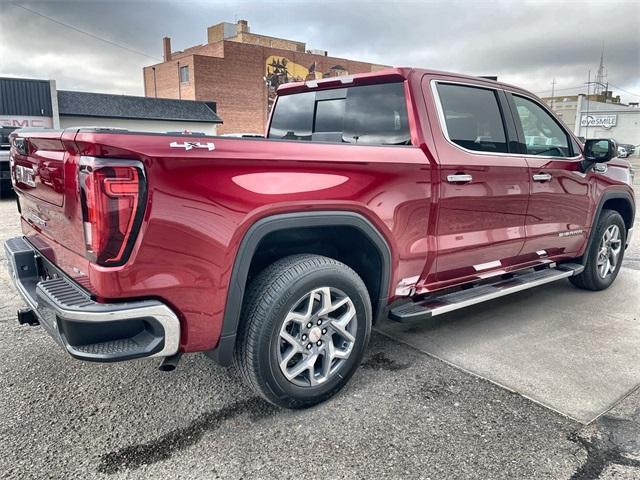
[18,121]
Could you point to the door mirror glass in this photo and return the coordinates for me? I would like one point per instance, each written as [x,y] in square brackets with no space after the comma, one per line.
[600,150]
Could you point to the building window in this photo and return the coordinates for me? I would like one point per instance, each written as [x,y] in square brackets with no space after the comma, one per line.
[184,74]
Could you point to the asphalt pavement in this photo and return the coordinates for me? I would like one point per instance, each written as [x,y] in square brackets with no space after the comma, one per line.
[405,414]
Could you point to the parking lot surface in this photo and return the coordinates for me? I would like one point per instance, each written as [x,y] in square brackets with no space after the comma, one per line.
[405,414]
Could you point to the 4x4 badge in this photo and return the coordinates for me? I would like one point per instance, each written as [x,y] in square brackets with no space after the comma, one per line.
[189,145]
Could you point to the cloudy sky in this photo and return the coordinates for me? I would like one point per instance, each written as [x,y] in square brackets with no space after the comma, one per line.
[524,43]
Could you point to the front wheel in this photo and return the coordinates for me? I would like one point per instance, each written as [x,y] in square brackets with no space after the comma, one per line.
[604,257]
[305,324]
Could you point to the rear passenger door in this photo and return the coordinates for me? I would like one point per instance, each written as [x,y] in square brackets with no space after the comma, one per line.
[484,182]
[558,211]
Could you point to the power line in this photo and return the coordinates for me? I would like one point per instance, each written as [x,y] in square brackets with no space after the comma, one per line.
[561,89]
[625,91]
[133,50]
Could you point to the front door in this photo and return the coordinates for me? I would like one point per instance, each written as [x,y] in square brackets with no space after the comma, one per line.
[558,212]
[484,185]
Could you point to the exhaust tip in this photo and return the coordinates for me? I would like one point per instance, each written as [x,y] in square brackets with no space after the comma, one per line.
[169,364]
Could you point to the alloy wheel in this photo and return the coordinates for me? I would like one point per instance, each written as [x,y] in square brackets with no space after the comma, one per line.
[317,336]
[609,251]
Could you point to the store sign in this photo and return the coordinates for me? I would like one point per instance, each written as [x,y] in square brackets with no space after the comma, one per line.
[598,120]
[20,121]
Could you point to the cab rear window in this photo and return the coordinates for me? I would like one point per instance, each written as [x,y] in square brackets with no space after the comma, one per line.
[368,115]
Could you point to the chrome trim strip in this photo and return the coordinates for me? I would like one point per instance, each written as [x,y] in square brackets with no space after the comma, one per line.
[501,293]
[443,123]
[159,311]
[484,266]
[459,178]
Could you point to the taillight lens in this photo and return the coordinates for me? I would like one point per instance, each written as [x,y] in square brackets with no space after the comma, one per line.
[113,196]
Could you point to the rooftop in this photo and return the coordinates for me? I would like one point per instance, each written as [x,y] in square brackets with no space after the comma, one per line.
[87,104]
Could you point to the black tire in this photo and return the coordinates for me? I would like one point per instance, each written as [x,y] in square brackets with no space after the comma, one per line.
[590,279]
[269,298]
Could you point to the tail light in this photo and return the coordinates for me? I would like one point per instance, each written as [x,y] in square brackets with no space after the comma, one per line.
[113,198]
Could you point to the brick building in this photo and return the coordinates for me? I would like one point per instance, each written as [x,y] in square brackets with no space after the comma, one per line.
[240,71]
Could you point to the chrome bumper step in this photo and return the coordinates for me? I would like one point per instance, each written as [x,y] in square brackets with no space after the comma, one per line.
[438,305]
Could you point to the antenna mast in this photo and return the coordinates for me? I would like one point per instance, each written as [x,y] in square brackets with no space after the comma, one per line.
[601,76]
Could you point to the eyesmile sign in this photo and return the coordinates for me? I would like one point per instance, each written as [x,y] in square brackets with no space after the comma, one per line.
[595,120]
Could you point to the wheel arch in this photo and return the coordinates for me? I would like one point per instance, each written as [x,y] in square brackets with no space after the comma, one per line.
[295,221]
[618,200]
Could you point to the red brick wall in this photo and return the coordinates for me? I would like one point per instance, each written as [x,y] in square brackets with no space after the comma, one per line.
[167,80]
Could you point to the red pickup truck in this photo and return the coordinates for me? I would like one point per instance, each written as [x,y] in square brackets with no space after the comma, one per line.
[399,194]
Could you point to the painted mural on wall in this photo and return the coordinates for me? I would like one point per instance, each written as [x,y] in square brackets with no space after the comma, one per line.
[281,70]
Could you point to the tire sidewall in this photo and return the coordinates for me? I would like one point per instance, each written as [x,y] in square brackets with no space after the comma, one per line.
[332,276]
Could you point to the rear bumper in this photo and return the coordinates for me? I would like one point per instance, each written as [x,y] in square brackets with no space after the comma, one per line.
[89,330]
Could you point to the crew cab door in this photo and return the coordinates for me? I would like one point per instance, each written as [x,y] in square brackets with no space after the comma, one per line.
[558,211]
[484,182]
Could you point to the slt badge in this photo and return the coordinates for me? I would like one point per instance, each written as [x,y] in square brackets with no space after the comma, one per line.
[189,145]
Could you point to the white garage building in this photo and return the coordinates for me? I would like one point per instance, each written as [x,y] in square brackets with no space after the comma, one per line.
[81,109]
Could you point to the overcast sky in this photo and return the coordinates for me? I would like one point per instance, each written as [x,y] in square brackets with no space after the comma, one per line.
[523,43]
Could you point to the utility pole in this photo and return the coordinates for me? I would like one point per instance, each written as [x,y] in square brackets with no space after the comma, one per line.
[586,129]
[553,94]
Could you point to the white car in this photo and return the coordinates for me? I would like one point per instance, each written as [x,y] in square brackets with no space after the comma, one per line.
[622,152]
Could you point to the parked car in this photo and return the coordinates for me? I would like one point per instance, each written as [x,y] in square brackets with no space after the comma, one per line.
[5,172]
[622,152]
[403,193]
[631,149]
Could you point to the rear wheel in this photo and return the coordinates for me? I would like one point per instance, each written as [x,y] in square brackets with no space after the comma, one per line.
[305,324]
[604,257]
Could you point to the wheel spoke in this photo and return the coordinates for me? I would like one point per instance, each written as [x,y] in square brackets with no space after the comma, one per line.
[325,300]
[306,363]
[614,257]
[603,268]
[327,359]
[339,327]
[294,342]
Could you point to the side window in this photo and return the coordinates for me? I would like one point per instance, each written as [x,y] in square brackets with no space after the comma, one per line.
[542,134]
[377,115]
[473,118]
[367,115]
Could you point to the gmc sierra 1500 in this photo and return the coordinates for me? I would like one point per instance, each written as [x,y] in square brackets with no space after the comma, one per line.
[402,193]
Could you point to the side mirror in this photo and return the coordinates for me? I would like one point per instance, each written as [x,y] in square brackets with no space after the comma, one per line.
[600,150]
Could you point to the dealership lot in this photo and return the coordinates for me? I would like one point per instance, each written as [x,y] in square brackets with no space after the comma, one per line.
[405,414]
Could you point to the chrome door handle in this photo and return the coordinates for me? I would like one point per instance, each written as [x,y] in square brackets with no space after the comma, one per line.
[460,177]
[542,177]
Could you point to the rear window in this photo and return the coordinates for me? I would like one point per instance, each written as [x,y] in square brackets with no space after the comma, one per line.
[369,115]
[473,118]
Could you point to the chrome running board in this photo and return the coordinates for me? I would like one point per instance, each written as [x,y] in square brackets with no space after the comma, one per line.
[438,305]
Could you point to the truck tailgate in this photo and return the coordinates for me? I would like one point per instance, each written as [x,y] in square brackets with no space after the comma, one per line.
[39,167]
